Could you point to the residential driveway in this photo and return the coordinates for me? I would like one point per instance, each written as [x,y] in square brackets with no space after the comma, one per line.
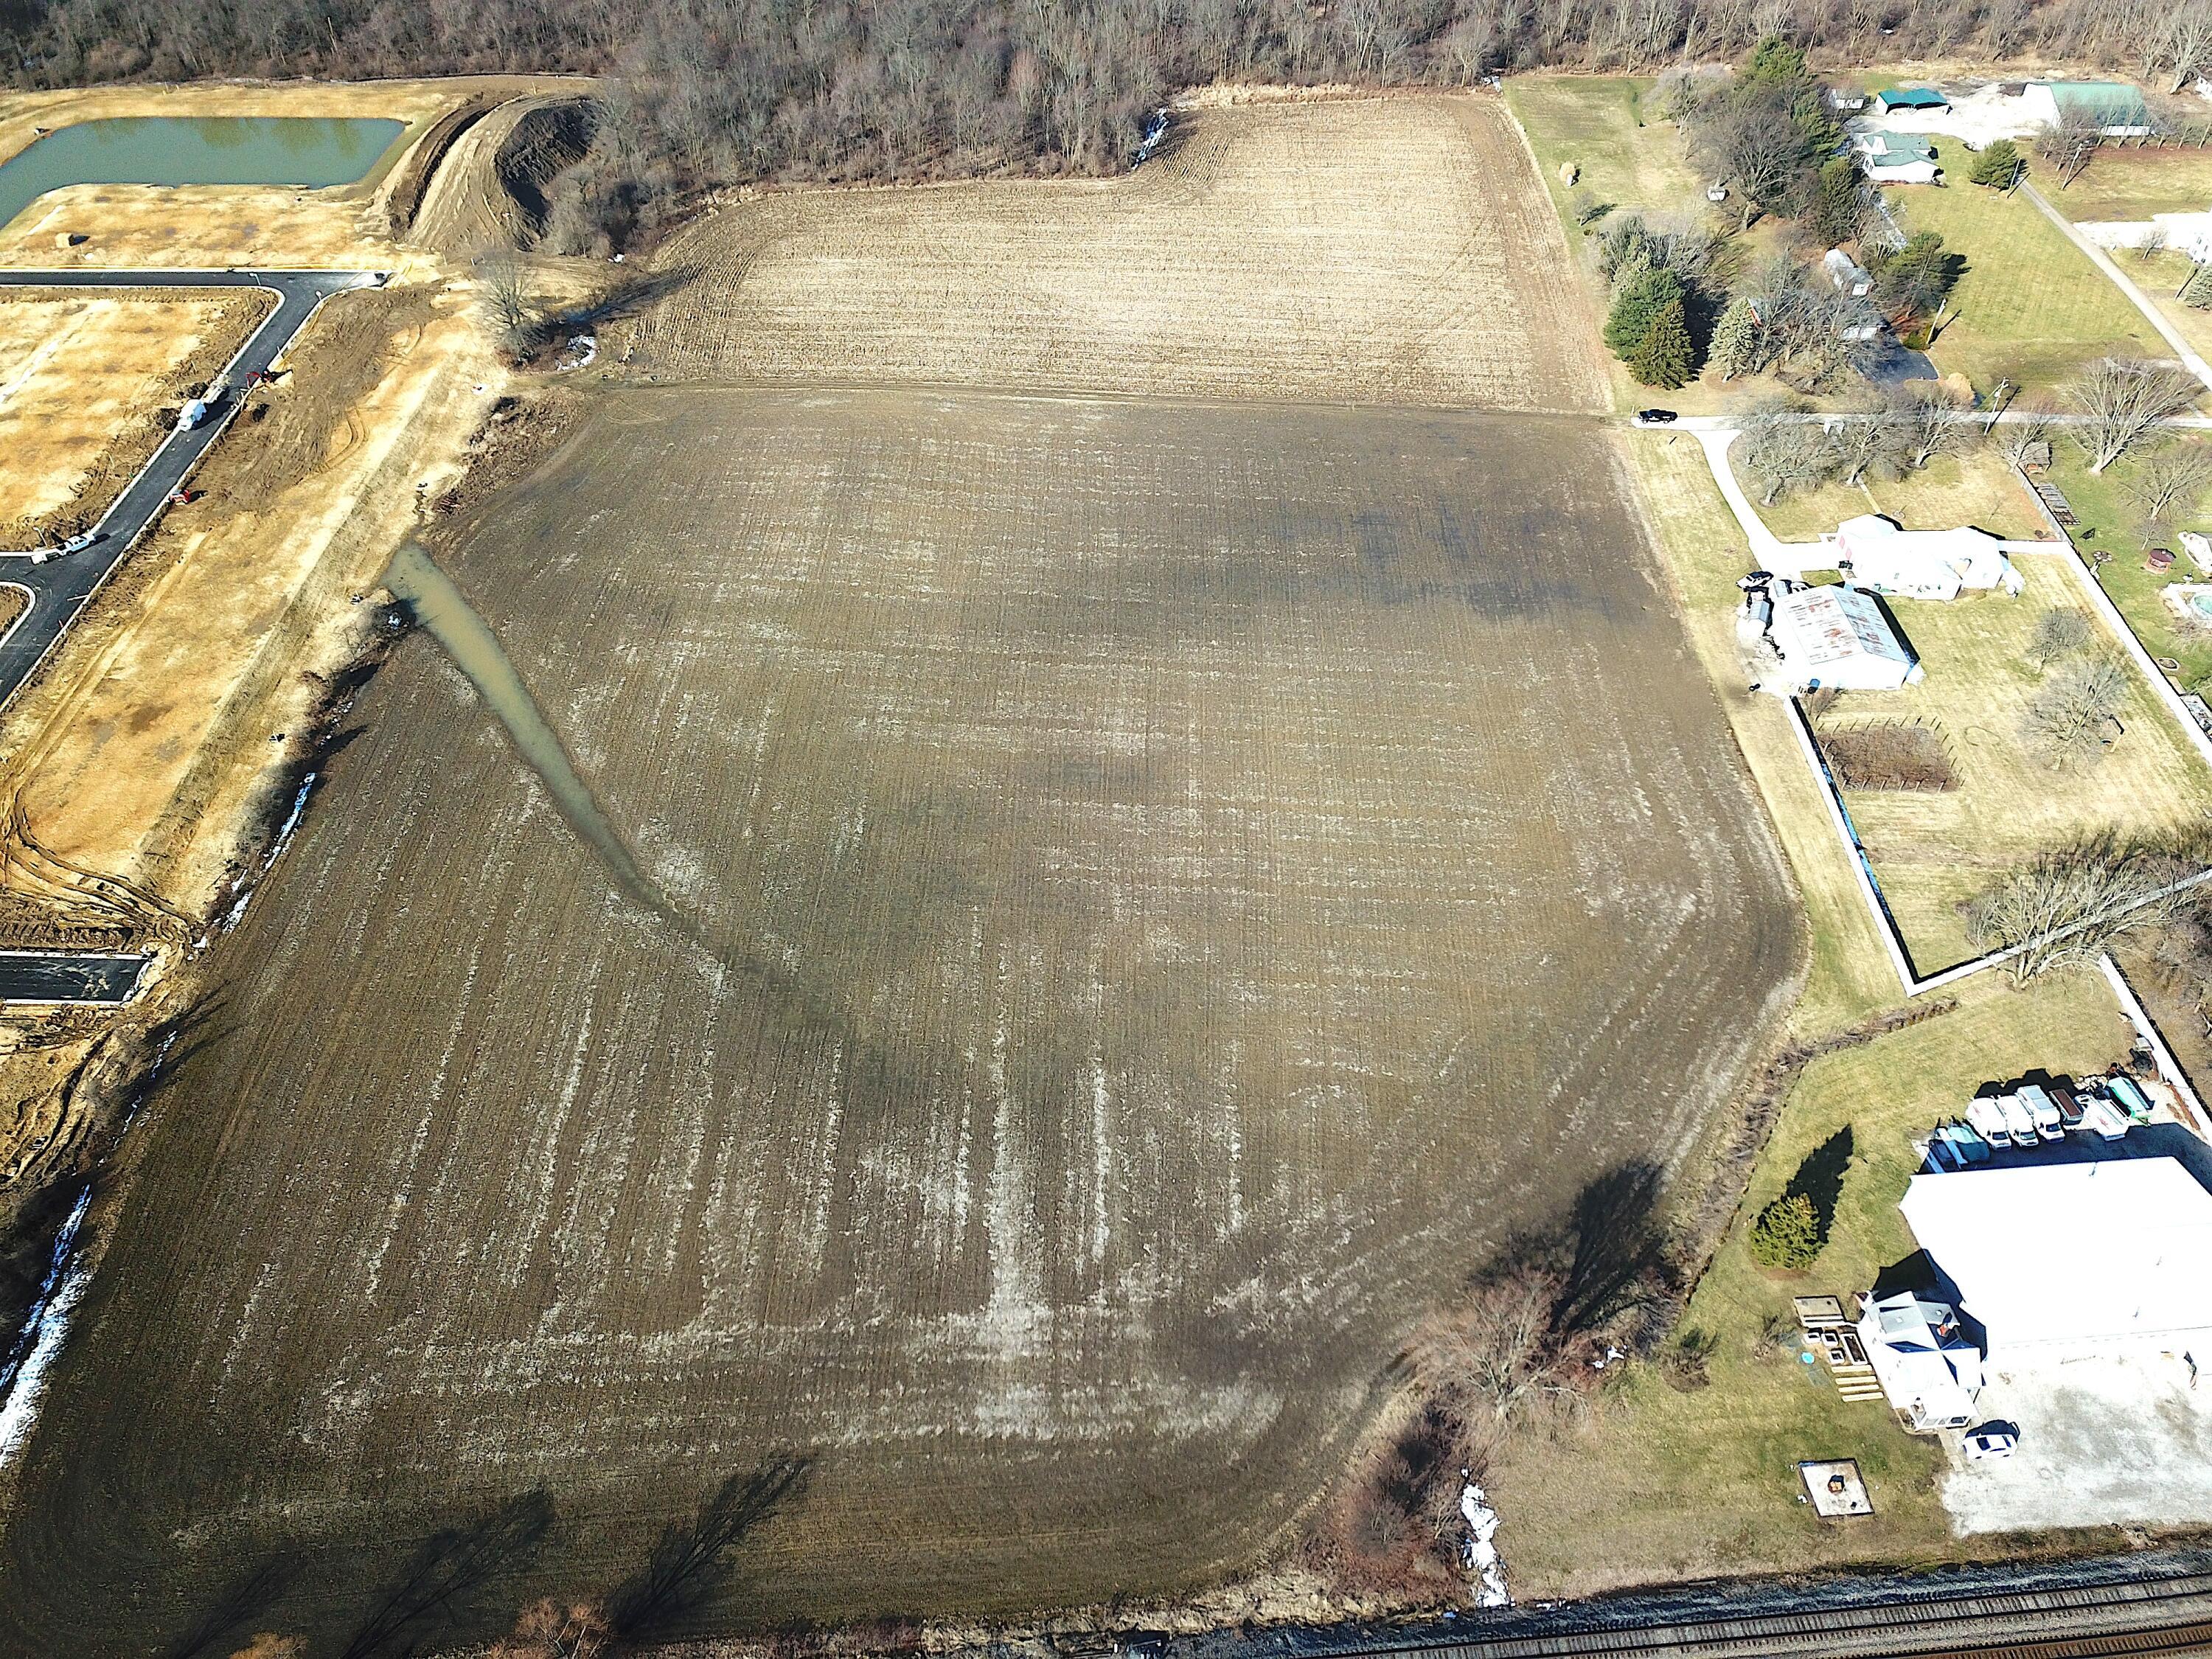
[2101,1441]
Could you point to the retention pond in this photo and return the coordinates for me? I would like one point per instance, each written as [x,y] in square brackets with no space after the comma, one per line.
[230,150]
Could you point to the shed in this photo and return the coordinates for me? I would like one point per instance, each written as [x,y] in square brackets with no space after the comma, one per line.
[1837,636]
[2056,1261]
[1849,275]
[1920,98]
[1923,564]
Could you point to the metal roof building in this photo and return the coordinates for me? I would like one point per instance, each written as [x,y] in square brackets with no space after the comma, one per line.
[2065,1260]
[1839,636]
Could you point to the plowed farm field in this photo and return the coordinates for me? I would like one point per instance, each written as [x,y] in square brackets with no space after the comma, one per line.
[956,967]
[1362,251]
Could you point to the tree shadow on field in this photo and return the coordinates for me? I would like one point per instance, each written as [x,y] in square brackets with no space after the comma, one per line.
[1820,1176]
[694,1558]
[436,1593]
[1614,1247]
[245,1595]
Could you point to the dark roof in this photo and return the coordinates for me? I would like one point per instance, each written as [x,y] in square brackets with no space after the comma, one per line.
[1913,98]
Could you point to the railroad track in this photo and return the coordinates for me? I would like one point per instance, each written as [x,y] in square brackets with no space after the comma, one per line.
[2060,1617]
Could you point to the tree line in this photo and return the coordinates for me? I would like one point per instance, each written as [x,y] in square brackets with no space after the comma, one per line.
[705,93]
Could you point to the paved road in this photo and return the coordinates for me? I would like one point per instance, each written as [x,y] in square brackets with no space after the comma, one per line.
[61,588]
[68,976]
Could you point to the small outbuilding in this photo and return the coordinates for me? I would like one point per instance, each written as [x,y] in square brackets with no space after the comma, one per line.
[1908,98]
[1922,565]
[1837,636]
[1849,275]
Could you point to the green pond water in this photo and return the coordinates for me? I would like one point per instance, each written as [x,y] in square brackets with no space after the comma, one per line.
[216,149]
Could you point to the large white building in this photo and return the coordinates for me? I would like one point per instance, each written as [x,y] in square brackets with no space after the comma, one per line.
[1837,636]
[2043,1263]
[1922,565]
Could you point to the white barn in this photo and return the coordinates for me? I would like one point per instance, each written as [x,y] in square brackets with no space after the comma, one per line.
[1837,636]
[2058,1261]
[1922,565]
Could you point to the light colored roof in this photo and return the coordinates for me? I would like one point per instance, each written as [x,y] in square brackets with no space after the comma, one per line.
[2115,102]
[1818,626]
[1899,147]
[2072,1254]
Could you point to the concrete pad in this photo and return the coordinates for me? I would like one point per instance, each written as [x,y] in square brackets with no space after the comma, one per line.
[2101,1441]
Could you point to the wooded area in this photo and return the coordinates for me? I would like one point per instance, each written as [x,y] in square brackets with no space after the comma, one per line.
[706,91]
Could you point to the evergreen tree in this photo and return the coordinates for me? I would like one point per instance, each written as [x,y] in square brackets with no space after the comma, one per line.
[1739,347]
[1775,62]
[1667,356]
[2196,292]
[1787,1233]
[1914,282]
[1998,166]
[1836,208]
[1636,306]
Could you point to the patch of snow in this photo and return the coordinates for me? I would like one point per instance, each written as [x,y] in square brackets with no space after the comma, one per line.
[48,1323]
[1479,1552]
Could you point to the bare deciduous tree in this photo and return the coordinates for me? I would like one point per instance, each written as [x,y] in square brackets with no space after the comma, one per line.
[2068,724]
[1928,424]
[2069,907]
[1870,438]
[1503,1344]
[2069,145]
[510,316]
[1783,450]
[2171,480]
[553,1629]
[2058,633]
[2124,399]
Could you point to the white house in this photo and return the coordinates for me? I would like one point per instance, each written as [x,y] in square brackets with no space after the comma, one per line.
[1837,636]
[2073,1261]
[1927,1369]
[1922,565]
[1895,158]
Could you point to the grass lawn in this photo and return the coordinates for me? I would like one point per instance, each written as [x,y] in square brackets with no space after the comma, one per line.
[1849,974]
[1976,487]
[1930,850]
[1598,123]
[2030,305]
[2107,523]
[2127,183]
[1659,1485]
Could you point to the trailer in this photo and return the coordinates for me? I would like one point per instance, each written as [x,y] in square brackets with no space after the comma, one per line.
[2070,1106]
[1969,1146]
[2101,1117]
[2130,1099]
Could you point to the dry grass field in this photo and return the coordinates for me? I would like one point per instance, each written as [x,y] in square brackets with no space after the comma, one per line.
[1933,851]
[80,370]
[1356,251]
[1138,921]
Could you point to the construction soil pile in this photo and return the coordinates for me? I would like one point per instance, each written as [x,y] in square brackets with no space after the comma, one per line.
[489,192]
[929,982]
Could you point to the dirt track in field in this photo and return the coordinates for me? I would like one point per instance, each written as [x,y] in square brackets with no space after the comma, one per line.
[1142,898]
[1393,251]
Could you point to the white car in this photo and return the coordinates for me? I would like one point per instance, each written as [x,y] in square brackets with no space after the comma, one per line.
[79,542]
[1992,1440]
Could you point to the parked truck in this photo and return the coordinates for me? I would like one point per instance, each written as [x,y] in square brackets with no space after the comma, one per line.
[193,414]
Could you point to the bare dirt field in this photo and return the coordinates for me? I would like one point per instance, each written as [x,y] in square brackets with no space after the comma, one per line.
[83,379]
[1144,899]
[490,191]
[1353,252]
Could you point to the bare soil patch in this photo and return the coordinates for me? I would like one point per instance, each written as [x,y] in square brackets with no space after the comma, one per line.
[89,386]
[1151,895]
[1384,251]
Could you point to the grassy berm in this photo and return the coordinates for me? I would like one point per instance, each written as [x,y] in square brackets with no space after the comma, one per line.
[1139,902]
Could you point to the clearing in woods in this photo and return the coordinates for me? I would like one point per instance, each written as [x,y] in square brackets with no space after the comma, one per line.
[1142,897]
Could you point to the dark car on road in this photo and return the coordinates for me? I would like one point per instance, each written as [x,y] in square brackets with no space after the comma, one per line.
[1656,417]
